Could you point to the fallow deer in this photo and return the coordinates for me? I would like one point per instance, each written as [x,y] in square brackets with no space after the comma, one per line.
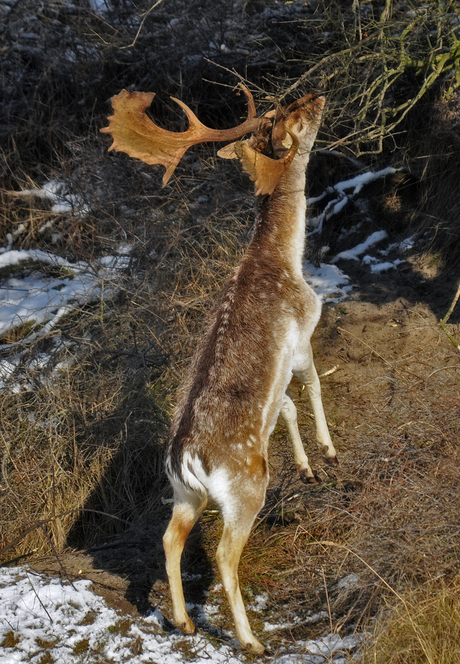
[256,339]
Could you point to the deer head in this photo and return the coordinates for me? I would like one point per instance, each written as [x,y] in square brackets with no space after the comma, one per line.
[136,134]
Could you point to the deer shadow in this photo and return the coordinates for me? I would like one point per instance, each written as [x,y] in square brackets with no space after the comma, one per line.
[123,520]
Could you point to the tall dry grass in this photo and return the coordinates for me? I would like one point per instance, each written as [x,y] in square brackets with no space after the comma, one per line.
[422,629]
[82,457]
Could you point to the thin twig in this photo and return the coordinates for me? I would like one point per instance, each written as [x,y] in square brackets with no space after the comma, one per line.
[385,583]
[42,522]
[335,368]
[443,322]
[451,366]
[142,25]
[328,602]
[38,597]
[452,306]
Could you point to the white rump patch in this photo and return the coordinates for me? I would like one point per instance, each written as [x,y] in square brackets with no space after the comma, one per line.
[192,476]
[219,485]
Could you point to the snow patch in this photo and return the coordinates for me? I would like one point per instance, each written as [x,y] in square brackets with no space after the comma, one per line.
[408,243]
[40,298]
[37,291]
[45,617]
[99,6]
[297,621]
[328,282]
[341,198]
[260,603]
[57,192]
[353,254]
[348,582]
[332,648]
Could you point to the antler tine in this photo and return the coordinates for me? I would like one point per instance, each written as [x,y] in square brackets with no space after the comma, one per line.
[136,134]
[252,113]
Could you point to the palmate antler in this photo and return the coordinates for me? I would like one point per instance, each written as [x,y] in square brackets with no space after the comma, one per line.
[134,132]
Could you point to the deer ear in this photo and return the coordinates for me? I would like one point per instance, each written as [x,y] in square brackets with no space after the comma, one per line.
[228,151]
[262,170]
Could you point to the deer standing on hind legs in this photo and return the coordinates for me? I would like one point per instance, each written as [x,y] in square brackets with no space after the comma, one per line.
[257,337]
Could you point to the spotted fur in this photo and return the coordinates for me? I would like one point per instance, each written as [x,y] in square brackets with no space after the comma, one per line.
[237,385]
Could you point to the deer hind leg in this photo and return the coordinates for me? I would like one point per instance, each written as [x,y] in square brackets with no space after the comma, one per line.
[185,514]
[228,556]
[308,375]
[242,504]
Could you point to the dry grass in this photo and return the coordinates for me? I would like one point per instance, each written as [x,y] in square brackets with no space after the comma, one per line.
[423,628]
[90,437]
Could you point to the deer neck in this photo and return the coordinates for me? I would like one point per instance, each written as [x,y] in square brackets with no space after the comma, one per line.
[280,223]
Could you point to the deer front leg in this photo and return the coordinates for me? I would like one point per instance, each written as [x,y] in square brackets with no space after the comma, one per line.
[289,414]
[309,377]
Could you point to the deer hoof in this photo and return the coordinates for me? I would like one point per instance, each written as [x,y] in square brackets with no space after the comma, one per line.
[332,461]
[187,628]
[308,479]
[257,648]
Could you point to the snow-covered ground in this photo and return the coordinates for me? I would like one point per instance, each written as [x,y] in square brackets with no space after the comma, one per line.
[38,288]
[330,282]
[46,620]
[41,298]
